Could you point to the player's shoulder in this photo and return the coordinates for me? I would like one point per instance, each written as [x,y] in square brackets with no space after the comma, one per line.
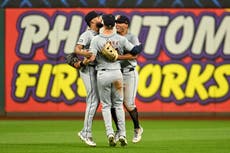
[86,33]
[96,38]
[130,35]
[120,37]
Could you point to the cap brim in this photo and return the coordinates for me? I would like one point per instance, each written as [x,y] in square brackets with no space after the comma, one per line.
[99,14]
[117,21]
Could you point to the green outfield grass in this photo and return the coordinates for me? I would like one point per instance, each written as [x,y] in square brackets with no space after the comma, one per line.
[160,136]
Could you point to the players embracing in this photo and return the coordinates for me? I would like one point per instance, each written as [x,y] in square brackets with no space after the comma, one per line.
[114,76]
[110,78]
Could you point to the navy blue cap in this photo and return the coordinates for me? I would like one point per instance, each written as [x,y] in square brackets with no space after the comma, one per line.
[123,19]
[90,16]
[108,20]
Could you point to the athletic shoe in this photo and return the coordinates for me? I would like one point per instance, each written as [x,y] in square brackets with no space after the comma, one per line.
[111,140]
[81,136]
[89,141]
[137,135]
[123,141]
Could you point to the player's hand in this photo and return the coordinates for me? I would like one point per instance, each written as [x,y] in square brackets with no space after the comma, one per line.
[86,61]
[88,54]
[77,65]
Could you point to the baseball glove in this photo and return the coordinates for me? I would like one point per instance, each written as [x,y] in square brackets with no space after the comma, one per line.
[109,52]
[71,59]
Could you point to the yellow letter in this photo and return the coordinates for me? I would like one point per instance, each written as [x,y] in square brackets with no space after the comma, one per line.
[64,77]
[222,88]
[175,76]
[197,79]
[43,81]
[25,79]
[151,73]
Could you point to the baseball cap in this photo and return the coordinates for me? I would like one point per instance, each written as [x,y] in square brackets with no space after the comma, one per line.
[108,20]
[90,16]
[122,19]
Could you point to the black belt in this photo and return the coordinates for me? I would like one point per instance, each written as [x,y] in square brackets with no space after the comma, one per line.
[91,65]
[128,70]
[105,69]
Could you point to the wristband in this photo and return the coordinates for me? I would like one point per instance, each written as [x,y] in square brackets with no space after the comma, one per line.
[82,64]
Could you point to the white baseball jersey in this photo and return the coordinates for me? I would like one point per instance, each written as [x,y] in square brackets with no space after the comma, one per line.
[118,42]
[85,39]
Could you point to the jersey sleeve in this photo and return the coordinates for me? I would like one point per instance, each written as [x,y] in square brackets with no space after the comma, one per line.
[135,41]
[127,45]
[83,39]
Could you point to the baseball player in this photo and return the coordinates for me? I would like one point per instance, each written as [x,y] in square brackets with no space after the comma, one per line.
[130,79]
[88,74]
[109,77]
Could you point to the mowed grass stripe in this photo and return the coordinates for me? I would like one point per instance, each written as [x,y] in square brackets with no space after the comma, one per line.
[160,136]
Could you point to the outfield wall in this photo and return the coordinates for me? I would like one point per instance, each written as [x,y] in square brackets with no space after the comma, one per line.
[2,59]
[183,70]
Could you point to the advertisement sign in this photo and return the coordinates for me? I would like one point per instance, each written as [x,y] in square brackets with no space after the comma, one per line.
[115,4]
[184,65]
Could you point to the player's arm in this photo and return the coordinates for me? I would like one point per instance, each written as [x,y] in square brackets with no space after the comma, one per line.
[83,63]
[80,51]
[135,41]
[136,50]
[78,64]
[132,49]
[127,56]
[74,61]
